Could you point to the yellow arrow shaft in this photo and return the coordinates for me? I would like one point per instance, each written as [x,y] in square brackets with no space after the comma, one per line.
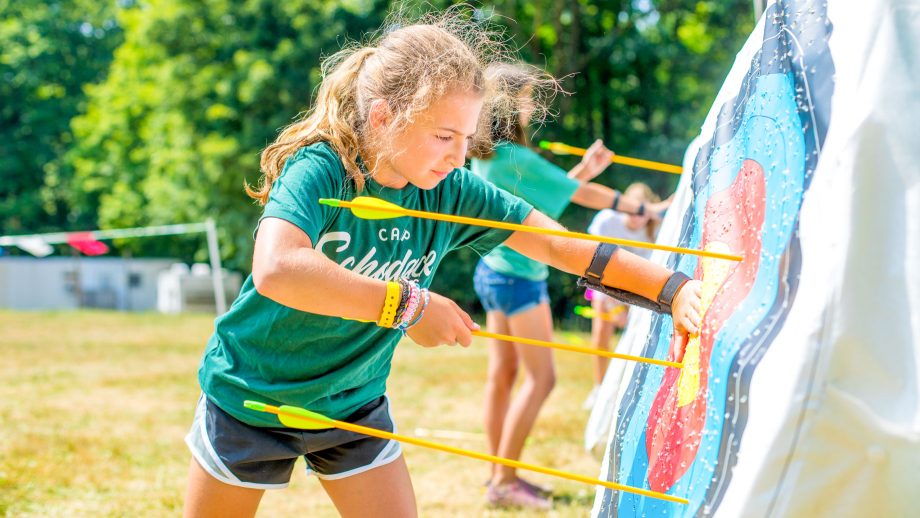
[536,230]
[558,147]
[577,349]
[565,347]
[382,434]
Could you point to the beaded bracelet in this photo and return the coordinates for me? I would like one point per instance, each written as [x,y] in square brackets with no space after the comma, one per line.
[414,299]
[427,296]
[404,300]
[414,302]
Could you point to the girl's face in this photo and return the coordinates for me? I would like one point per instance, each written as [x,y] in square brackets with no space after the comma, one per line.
[426,151]
[634,222]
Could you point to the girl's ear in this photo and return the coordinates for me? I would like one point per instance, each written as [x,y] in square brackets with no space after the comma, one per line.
[379,114]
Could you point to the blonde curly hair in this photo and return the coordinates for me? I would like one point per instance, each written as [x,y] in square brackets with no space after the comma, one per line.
[409,67]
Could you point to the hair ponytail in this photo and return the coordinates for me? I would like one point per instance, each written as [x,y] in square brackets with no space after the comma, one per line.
[336,119]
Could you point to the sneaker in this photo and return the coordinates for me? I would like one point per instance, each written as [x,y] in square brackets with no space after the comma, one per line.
[539,490]
[516,494]
[530,486]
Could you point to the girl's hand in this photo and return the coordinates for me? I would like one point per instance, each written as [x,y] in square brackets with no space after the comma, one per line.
[596,159]
[656,210]
[443,323]
[685,310]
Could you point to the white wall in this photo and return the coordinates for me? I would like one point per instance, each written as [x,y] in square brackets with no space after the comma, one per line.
[30,283]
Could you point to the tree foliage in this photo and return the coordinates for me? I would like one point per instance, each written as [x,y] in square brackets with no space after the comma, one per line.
[196,90]
[48,52]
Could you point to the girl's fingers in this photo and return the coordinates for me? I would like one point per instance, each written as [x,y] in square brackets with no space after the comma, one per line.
[464,337]
[467,320]
[680,345]
[690,325]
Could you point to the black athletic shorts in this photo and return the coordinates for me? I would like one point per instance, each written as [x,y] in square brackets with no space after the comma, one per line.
[263,458]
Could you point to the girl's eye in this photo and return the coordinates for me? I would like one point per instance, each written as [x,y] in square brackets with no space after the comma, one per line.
[443,138]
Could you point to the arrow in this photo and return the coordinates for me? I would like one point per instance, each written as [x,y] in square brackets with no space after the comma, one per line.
[588,312]
[564,149]
[366,207]
[577,349]
[565,347]
[294,417]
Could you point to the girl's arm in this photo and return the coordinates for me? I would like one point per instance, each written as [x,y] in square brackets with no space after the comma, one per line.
[286,269]
[626,270]
[596,159]
[596,196]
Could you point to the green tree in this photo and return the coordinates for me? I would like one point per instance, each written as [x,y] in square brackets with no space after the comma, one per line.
[194,93]
[48,52]
[642,74]
[197,88]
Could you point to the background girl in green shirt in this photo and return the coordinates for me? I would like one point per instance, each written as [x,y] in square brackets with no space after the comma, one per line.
[512,287]
[392,119]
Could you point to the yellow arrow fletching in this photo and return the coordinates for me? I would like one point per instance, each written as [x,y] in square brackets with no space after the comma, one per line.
[293,417]
[366,207]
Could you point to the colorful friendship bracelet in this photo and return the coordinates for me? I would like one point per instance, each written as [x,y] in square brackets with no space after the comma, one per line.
[404,306]
[410,309]
[427,296]
[403,301]
[406,292]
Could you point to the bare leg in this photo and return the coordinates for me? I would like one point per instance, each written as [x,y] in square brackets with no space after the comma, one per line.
[206,497]
[503,369]
[382,492]
[539,378]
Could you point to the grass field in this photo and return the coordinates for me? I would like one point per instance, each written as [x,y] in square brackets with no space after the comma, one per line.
[94,407]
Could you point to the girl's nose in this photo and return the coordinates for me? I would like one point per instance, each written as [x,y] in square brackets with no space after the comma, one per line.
[458,155]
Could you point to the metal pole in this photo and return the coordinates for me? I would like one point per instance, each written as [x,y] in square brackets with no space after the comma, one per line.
[217,277]
[759,6]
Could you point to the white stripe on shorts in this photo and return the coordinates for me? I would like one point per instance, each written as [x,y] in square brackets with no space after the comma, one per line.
[203,451]
[388,454]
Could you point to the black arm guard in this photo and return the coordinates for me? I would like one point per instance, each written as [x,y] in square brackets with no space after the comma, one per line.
[595,271]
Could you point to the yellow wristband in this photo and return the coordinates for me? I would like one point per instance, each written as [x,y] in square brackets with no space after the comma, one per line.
[388,314]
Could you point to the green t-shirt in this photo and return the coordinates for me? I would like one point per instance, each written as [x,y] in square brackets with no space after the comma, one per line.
[522,172]
[265,351]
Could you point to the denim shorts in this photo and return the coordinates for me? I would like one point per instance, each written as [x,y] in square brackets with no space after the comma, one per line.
[238,454]
[507,293]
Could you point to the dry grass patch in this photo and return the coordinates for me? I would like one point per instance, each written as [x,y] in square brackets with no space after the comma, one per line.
[94,407]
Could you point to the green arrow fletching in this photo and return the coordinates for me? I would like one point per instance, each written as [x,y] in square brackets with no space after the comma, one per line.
[255,405]
[330,202]
[293,417]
